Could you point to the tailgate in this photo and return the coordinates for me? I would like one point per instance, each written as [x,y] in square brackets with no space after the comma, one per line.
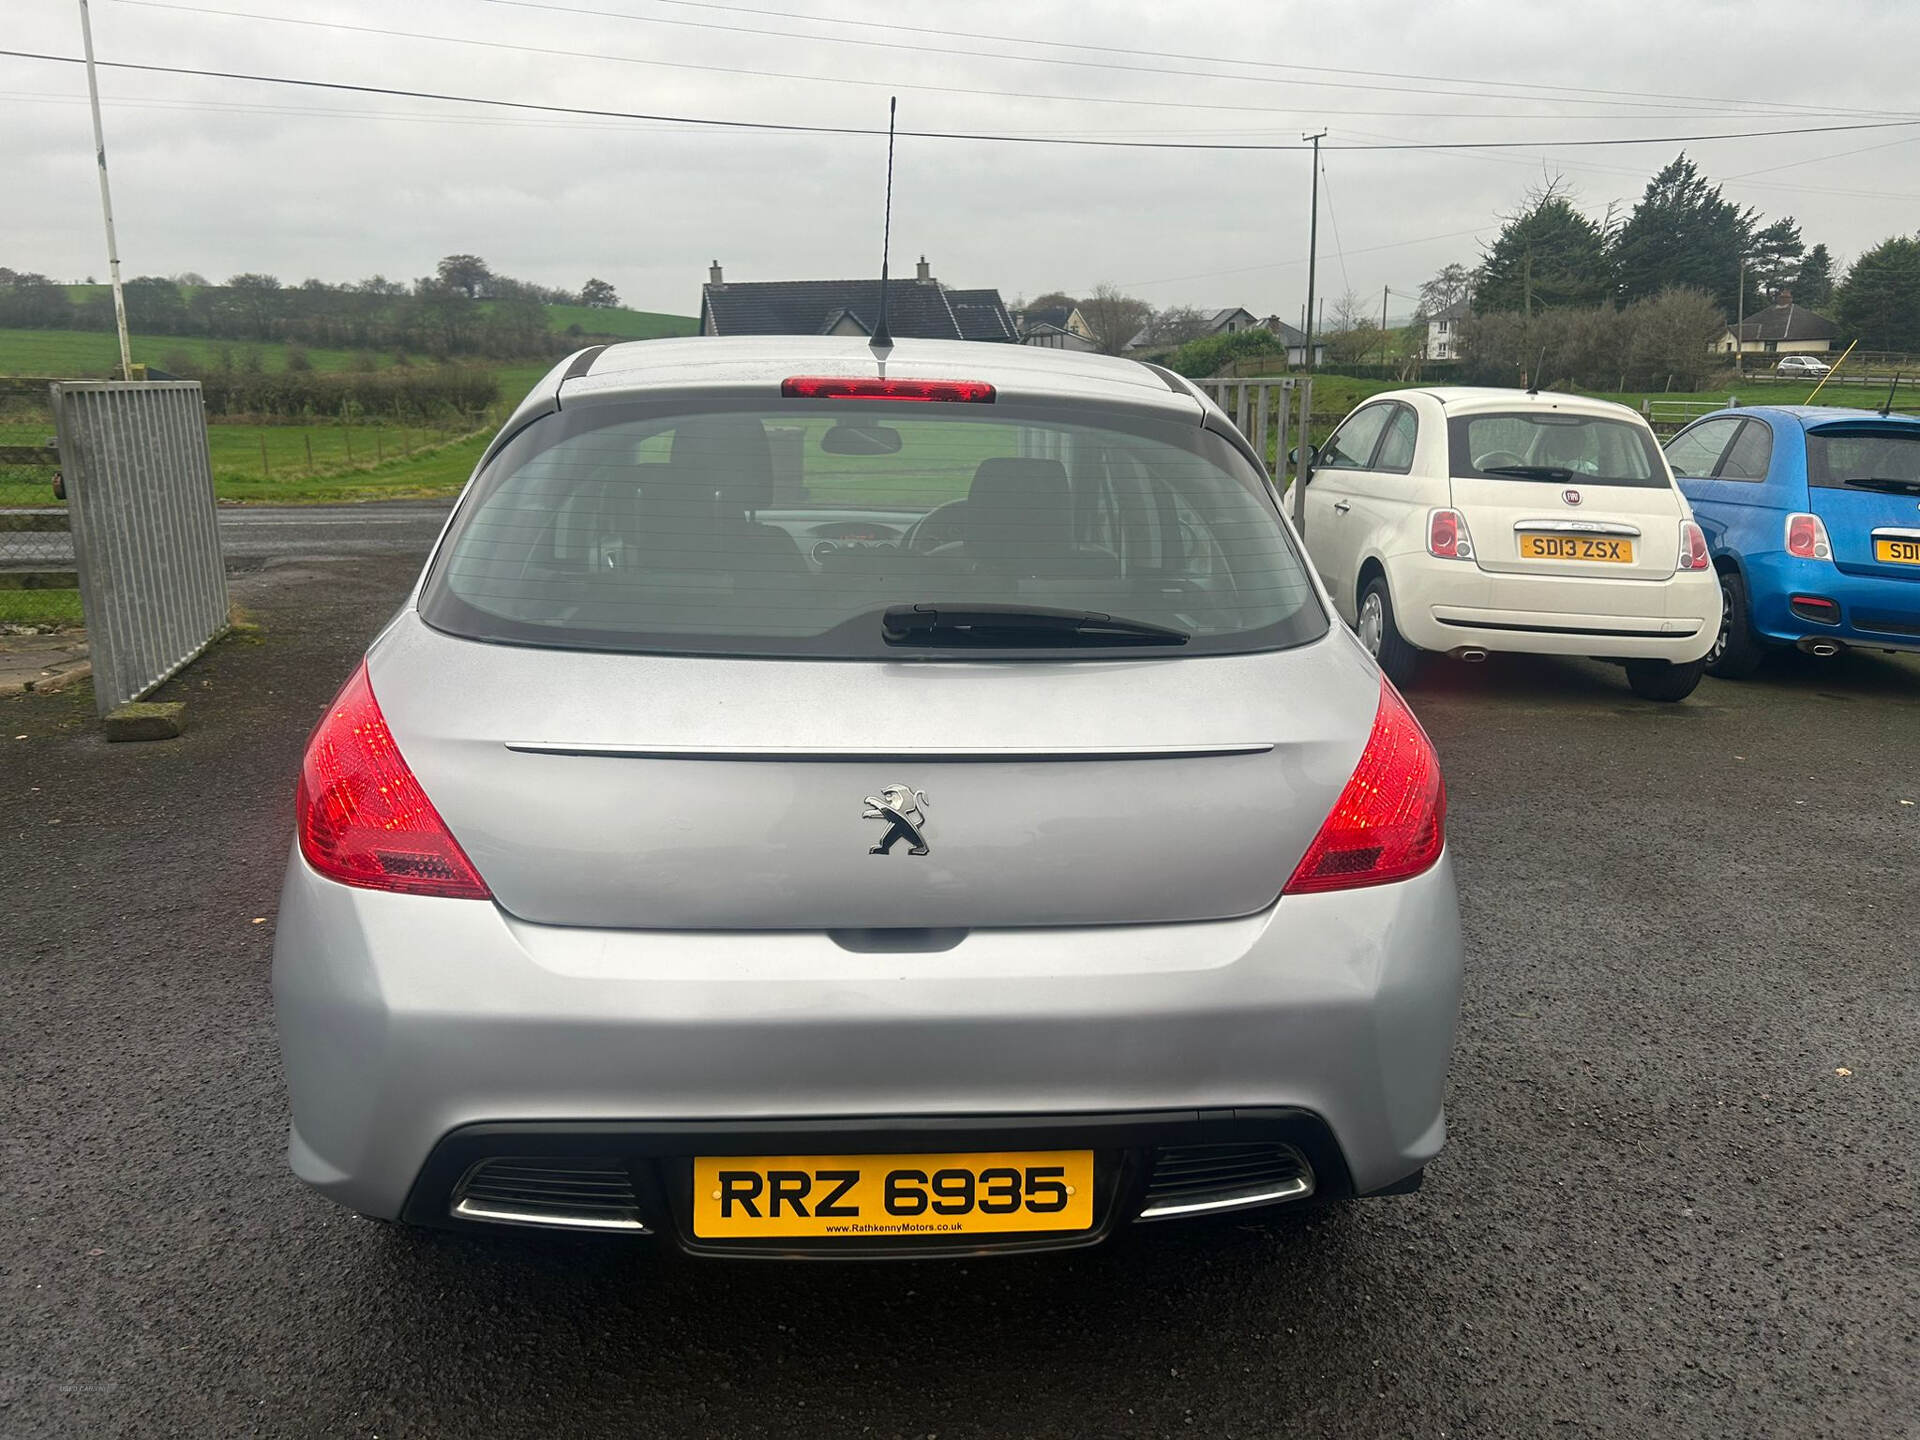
[1863,481]
[660,792]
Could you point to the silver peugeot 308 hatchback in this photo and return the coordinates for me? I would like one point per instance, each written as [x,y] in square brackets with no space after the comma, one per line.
[828,801]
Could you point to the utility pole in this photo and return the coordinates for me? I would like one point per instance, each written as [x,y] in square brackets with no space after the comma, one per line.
[1740,325]
[106,196]
[1383,323]
[1313,242]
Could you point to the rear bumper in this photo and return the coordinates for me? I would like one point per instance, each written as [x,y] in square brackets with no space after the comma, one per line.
[1450,605]
[1878,613]
[404,1021]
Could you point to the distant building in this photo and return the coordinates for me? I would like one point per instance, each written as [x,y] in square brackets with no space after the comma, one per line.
[920,309]
[1220,322]
[1781,329]
[1443,330]
[1059,327]
[1296,342]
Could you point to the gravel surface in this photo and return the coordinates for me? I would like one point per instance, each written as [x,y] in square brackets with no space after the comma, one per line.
[1679,1198]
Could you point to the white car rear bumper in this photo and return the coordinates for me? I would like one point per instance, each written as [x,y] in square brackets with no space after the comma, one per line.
[1445,605]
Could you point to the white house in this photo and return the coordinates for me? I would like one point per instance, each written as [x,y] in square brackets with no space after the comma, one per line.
[1781,329]
[1443,330]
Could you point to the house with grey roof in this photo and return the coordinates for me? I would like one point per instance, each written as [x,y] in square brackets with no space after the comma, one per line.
[1781,329]
[921,308]
[1443,330]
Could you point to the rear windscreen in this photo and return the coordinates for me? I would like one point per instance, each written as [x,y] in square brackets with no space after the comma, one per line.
[789,529]
[1552,446]
[1837,458]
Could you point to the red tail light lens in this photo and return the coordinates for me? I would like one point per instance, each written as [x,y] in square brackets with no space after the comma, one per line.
[1390,822]
[1693,546]
[1447,536]
[363,818]
[1807,538]
[823,387]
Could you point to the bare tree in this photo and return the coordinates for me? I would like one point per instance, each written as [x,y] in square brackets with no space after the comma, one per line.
[1113,317]
[1449,283]
[1177,324]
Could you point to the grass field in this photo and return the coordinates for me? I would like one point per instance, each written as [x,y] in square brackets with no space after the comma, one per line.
[91,354]
[626,324]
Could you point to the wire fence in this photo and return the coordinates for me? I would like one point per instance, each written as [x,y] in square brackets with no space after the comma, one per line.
[38,581]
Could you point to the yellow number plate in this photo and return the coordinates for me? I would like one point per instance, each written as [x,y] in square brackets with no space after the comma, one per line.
[1602,548]
[853,1196]
[1900,552]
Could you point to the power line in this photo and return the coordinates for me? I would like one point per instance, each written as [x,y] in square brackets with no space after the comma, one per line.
[797,128]
[804,77]
[1480,84]
[1334,225]
[1678,105]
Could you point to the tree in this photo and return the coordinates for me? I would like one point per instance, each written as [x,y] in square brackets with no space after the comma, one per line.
[466,273]
[1176,325]
[1813,283]
[1684,233]
[1879,301]
[1449,284]
[1113,317]
[1773,261]
[1546,255]
[599,295]
[1052,300]
[252,302]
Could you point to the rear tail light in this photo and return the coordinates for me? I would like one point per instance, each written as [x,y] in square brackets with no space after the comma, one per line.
[1693,546]
[825,387]
[363,818]
[1447,537]
[1807,537]
[1390,821]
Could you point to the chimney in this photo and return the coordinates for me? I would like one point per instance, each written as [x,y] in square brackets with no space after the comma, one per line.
[714,277]
[923,272]
[1783,297]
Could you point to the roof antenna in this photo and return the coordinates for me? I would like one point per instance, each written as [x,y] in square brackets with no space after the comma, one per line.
[1533,383]
[1887,405]
[882,337]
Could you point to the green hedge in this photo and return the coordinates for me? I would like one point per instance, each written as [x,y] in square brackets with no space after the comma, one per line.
[395,393]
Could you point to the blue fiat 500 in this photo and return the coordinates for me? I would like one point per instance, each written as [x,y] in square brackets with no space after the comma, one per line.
[1812,516]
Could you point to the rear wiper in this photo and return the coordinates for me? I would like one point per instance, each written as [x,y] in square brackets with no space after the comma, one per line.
[1531,472]
[1012,625]
[1881,482]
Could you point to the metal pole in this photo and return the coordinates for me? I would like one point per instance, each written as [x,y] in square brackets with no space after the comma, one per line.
[1313,242]
[1383,323]
[106,196]
[1740,325]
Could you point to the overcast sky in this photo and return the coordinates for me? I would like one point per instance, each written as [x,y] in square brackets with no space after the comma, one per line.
[219,176]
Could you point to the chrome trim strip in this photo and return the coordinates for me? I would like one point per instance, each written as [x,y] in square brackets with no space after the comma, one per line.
[1294,1189]
[1579,527]
[468,1210]
[857,753]
[1896,532]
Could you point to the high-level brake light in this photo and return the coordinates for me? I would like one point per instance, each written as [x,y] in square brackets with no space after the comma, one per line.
[1390,821]
[827,387]
[362,816]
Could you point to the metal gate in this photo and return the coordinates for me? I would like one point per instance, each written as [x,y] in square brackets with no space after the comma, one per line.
[140,505]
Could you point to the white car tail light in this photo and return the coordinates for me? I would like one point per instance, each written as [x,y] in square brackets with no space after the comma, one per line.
[1693,547]
[1390,822]
[1807,537]
[1447,535]
[362,816]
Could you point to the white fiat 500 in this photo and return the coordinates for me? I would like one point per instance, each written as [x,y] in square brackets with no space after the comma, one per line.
[1465,521]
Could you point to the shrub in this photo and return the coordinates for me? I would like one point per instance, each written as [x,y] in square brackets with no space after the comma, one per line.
[1201,358]
[1651,344]
[444,393]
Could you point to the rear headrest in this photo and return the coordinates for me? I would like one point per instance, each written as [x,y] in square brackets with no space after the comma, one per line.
[1019,506]
[728,454]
